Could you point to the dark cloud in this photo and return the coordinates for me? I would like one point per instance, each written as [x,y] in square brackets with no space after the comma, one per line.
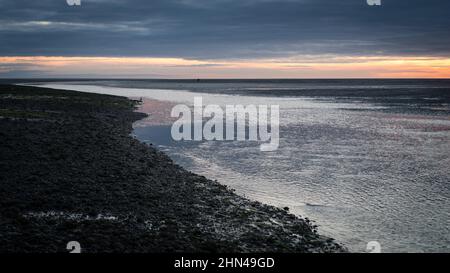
[18,70]
[230,29]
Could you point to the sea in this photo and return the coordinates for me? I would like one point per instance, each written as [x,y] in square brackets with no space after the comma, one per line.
[367,160]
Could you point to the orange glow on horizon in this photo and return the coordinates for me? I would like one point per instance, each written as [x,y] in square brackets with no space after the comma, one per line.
[294,67]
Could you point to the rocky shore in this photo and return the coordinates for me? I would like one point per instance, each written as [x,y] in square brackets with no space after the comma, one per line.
[70,171]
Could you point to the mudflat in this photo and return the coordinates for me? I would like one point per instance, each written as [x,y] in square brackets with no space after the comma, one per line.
[70,171]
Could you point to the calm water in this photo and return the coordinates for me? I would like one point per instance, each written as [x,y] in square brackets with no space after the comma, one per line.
[366,159]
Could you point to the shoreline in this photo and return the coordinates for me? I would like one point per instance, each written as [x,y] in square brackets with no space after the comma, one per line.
[71,171]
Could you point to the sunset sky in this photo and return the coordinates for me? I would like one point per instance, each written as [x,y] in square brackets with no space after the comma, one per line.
[225,39]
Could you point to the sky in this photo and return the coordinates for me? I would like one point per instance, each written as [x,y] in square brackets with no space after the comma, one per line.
[225,39]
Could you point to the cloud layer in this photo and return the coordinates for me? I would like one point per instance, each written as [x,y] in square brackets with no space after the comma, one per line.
[251,38]
[207,29]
